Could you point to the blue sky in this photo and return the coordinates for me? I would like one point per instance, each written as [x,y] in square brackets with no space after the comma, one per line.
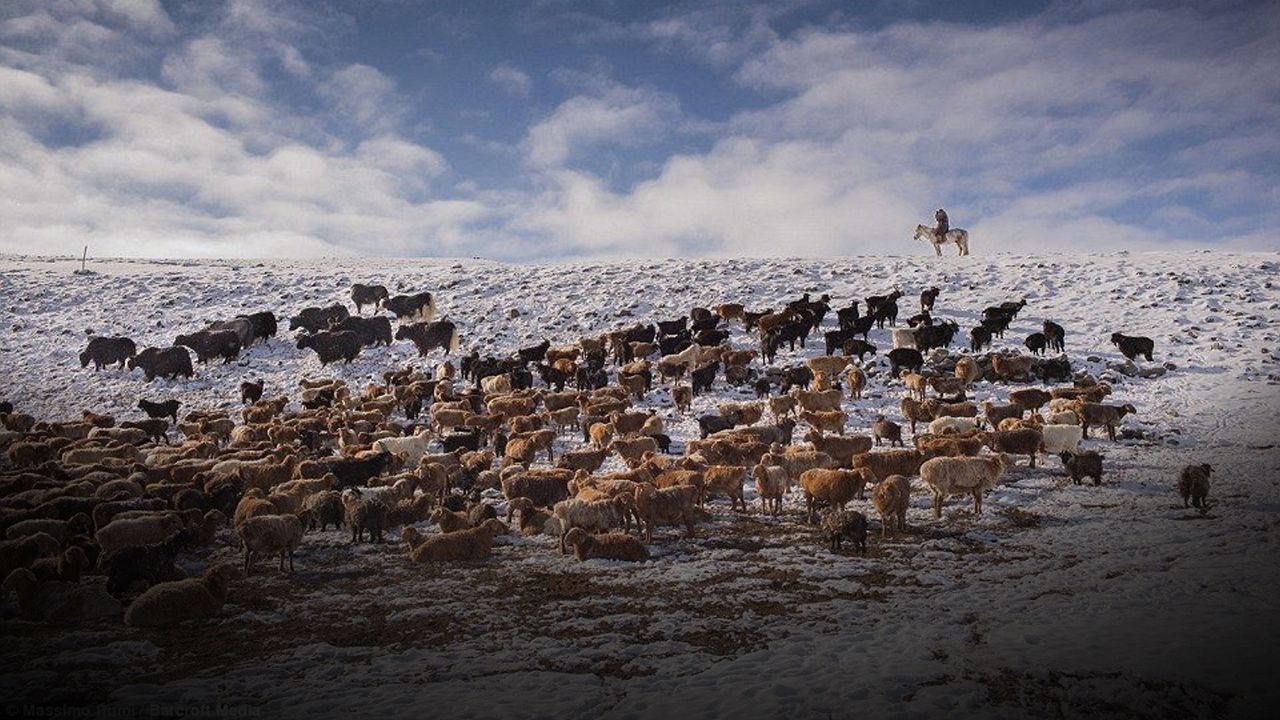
[555,129]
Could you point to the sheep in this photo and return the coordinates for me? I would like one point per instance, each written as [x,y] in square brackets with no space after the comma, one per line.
[1098,414]
[915,411]
[782,406]
[1193,485]
[1064,417]
[845,524]
[449,520]
[607,546]
[147,530]
[665,507]
[1011,367]
[835,487]
[1082,463]
[252,504]
[967,370]
[470,544]
[533,521]
[103,351]
[591,516]
[682,397]
[324,508]
[170,603]
[890,462]
[903,338]
[22,552]
[411,448]
[826,400]
[995,413]
[841,448]
[953,425]
[1025,441]
[884,429]
[727,480]
[632,450]
[1133,346]
[961,475]
[904,359]
[772,483]
[583,459]
[891,497]
[798,462]
[1035,342]
[832,420]
[149,563]
[601,434]
[66,567]
[57,600]
[364,513]
[856,380]
[829,365]
[1059,438]
[1031,399]
[544,490]
[915,383]
[743,413]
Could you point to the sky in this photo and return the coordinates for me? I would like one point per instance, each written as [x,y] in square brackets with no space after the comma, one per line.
[558,130]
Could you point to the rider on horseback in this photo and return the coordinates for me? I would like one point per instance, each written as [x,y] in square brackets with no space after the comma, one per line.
[944,225]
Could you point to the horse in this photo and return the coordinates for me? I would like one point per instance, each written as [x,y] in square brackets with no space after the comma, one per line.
[958,236]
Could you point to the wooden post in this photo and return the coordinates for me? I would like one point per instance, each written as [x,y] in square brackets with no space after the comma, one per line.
[83,257]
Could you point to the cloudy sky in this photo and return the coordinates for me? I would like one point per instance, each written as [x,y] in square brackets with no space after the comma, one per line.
[554,129]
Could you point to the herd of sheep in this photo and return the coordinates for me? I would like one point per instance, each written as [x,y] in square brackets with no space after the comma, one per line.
[547,440]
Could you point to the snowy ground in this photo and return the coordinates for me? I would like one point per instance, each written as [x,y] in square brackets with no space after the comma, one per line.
[1057,601]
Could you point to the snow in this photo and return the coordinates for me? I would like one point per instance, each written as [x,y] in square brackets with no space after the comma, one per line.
[1059,599]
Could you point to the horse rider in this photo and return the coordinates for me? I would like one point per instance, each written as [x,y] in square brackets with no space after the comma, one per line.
[944,225]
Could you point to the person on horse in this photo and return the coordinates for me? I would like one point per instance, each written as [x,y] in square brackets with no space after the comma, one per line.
[944,225]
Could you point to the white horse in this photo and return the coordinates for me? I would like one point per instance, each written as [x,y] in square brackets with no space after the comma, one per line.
[958,236]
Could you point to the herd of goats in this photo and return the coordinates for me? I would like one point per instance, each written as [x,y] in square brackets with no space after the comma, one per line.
[441,452]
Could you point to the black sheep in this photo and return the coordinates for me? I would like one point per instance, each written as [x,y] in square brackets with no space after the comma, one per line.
[332,346]
[167,362]
[904,358]
[709,424]
[762,388]
[1035,342]
[672,327]
[854,346]
[552,377]
[703,377]
[1081,464]
[355,472]
[251,392]
[979,337]
[537,353]
[1131,346]
[103,351]
[1055,336]
[1054,368]
[929,337]
[149,563]
[927,299]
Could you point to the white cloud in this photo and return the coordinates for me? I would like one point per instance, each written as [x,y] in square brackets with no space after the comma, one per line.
[618,115]
[512,80]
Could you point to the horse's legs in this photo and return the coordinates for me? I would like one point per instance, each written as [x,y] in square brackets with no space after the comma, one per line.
[937,249]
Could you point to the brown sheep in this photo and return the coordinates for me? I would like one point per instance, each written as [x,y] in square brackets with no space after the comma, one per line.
[1030,399]
[1193,485]
[824,421]
[1025,441]
[834,487]
[914,411]
[471,544]
[608,546]
[668,506]
[891,497]
[682,396]
[726,480]
[891,462]
[884,429]
[841,448]
[1098,414]
[772,483]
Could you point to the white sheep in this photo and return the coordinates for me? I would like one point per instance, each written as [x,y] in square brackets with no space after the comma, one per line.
[412,448]
[954,425]
[126,532]
[169,603]
[1063,417]
[903,337]
[271,535]
[590,515]
[1059,438]
[962,476]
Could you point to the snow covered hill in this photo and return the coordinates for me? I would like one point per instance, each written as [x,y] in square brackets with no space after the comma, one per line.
[1059,598]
